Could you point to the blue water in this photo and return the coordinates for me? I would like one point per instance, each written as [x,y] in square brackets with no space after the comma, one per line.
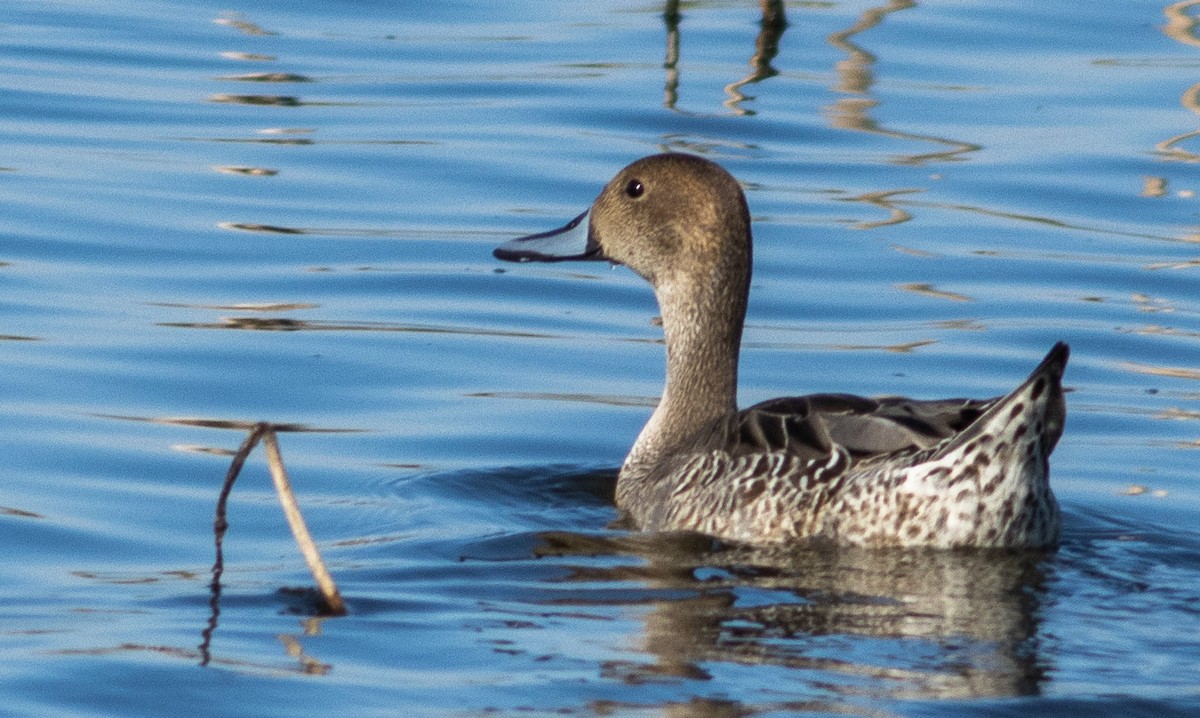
[283,212]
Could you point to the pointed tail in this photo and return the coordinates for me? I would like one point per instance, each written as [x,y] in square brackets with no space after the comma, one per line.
[1039,396]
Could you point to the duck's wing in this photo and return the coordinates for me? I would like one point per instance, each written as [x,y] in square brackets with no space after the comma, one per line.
[778,470]
[810,426]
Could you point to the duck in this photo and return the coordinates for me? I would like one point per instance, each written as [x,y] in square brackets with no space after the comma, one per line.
[829,468]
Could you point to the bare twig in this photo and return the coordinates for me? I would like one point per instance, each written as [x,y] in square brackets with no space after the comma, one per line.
[291,510]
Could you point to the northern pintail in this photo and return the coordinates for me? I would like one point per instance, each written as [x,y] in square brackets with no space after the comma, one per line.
[823,467]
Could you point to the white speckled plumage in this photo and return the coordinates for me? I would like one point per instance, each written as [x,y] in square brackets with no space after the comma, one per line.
[825,467]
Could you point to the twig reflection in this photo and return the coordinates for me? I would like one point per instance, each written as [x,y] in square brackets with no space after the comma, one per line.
[766,46]
[329,601]
[1169,148]
[220,526]
[1181,27]
[856,78]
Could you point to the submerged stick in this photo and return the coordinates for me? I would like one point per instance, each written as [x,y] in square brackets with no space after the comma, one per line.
[220,526]
[291,510]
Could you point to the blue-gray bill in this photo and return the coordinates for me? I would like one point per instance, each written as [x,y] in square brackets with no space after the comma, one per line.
[572,242]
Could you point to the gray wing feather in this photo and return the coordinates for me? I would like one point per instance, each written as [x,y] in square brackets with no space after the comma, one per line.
[810,426]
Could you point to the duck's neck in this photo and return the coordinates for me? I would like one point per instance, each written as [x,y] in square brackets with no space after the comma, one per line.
[702,323]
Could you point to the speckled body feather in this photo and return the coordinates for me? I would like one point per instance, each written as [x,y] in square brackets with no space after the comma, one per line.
[984,486]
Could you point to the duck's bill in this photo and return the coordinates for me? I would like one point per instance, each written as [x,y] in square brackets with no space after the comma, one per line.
[559,245]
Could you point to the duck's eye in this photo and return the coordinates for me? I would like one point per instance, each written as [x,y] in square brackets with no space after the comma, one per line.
[635,188]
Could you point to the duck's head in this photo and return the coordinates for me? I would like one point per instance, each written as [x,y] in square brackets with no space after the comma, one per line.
[667,217]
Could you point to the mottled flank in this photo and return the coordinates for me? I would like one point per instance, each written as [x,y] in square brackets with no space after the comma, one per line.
[824,467]
[984,486]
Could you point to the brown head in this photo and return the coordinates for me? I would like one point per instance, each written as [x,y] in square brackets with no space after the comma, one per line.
[664,216]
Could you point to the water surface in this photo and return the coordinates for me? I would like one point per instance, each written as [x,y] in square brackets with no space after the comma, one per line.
[284,212]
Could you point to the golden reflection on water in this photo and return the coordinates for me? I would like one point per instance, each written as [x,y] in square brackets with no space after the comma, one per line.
[604,399]
[274,138]
[914,252]
[237,21]
[202,449]
[282,324]
[247,307]
[240,425]
[1154,187]
[856,78]
[107,615]
[1175,413]
[267,77]
[258,140]
[883,199]
[363,232]
[1018,217]
[243,170]
[295,649]
[901,348]
[1181,27]
[247,56]
[1154,370]
[766,46]
[1148,304]
[854,73]
[286,131]
[277,100]
[962,325]
[897,203]
[253,227]
[897,348]
[1168,149]
[1160,331]
[1151,305]
[1186,264]
[269,324]
[145,650]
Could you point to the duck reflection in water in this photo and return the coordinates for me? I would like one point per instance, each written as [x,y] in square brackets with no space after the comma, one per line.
[919,623]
